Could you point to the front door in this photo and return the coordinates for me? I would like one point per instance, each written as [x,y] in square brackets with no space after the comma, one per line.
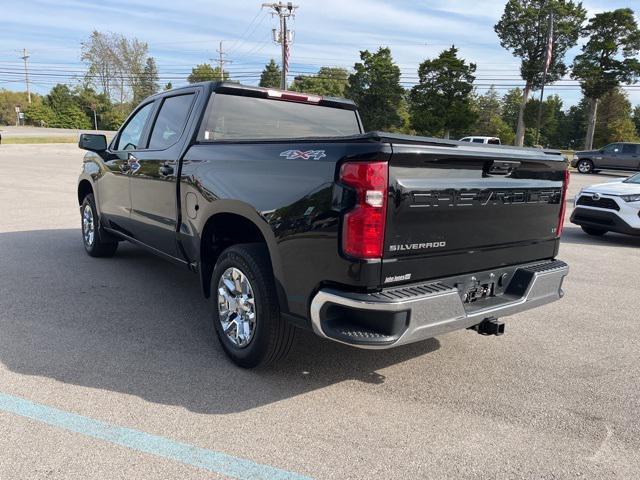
[154,211]
[113,186]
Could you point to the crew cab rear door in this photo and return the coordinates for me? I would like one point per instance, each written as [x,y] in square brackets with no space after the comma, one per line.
[464,208]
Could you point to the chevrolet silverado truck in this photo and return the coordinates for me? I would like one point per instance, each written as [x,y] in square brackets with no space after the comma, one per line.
[294,218]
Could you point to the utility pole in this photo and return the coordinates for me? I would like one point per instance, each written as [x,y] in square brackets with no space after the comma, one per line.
[221,60]
[284,37]
[25,57]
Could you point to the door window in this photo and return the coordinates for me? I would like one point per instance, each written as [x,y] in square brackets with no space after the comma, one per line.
[612,148]
[131,134]
[171,121]
[478,140]
[629,149]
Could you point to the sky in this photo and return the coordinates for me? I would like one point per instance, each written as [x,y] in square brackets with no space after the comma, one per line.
[327,32]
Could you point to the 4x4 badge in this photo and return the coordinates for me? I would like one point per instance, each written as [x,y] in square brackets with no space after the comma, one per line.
[305,155]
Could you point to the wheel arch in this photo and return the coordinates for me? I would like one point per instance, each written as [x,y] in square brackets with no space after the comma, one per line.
[84,188]
[234,225]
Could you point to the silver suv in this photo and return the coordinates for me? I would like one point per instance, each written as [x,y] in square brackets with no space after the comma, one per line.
[615,156]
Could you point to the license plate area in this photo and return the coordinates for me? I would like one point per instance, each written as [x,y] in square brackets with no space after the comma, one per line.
[479,287]
[477,292]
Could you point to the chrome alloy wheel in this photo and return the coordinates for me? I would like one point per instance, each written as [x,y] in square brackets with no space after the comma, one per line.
[584,167]
[236,307]
[88,225]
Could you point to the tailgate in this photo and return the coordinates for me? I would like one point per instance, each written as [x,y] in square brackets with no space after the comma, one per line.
[458,209]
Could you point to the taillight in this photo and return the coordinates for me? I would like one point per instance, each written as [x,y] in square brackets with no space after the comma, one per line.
[563,203]
[363,226]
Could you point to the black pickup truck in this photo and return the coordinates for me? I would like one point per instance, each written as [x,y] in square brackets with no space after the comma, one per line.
[294,218]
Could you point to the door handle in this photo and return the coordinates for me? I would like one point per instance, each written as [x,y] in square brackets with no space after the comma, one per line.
[166,170]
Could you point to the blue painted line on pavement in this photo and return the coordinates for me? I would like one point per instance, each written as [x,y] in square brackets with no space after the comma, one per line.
[211,460]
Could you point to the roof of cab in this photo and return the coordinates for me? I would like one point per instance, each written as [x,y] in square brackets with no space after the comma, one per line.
[235,88]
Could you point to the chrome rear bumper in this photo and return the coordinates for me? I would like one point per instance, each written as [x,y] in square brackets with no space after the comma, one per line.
[420,311]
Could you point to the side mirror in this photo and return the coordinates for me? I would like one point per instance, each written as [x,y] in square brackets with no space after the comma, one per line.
[93,142]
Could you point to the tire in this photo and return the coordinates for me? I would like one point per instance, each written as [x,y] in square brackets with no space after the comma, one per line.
[585,166]
[596,232]
[95,240]
[264,338]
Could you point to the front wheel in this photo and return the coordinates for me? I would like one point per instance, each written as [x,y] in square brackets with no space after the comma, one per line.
[585,166]
[596,232]
[94,238]
[245,307]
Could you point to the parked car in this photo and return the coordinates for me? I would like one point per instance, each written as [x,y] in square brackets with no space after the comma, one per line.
[293,217]
[615,156]
[609,207]
[489,140]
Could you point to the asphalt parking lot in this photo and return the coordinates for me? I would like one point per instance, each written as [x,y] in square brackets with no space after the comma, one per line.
[91,347]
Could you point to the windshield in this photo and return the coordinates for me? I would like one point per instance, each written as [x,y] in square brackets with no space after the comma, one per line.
[633,179]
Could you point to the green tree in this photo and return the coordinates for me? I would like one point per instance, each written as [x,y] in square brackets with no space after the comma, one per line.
[67,112]
[607,60]
[576,124]
[499,128]
[9,101]
[524,30]
[271,75]
[114,118]
[168,86]
[375,87]
[91,101]
[148,84]
[486,107]
[441,101]
[329,82]
[636,118]
[205,72]
[511,102]
[614,122]
[39,115]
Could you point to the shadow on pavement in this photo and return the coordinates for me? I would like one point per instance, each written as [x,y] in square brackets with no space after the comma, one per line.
[138,325]
[575,235]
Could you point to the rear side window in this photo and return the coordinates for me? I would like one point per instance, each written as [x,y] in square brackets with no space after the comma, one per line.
[629,148]
[171,121]
[478,140]
[493,141]
[232,117]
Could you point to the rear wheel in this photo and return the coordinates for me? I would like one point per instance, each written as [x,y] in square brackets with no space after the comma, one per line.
[585,166]
[96,241]
[245,307]
[596,232]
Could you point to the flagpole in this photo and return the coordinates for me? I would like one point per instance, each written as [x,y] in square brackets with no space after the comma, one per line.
[547,62]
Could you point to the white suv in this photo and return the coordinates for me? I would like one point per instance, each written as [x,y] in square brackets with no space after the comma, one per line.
[609,207]
[489,140]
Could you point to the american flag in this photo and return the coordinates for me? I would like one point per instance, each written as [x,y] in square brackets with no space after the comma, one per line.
[549,52]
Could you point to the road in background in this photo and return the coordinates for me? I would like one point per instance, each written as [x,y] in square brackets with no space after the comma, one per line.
[11,131]
[128,341]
